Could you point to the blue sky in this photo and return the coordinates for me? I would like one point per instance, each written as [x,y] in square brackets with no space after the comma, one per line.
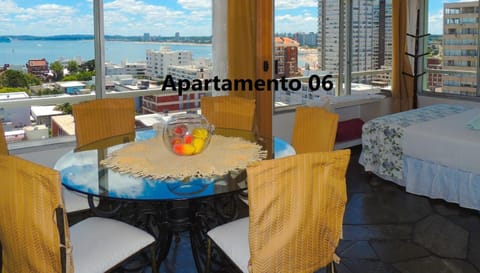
[165,17]
[435,14]
[134,17]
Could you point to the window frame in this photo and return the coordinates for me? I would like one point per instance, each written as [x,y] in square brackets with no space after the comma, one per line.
[345,74]
[429,93]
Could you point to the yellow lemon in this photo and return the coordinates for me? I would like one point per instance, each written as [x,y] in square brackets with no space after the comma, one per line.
[200,133]
[198,143]
[188,149]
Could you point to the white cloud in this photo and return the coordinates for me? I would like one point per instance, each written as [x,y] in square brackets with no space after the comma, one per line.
[9,6]
[43,19]
[295,23]
[48,10]
[132,17]
[195,4]
[295,4]
[435,22]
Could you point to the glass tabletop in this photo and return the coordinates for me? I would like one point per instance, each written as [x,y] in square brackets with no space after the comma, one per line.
[82,173]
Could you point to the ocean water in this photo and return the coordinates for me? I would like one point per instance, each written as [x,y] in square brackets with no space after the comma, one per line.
[18,52]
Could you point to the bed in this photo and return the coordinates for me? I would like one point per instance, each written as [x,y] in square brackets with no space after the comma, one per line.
[428,150]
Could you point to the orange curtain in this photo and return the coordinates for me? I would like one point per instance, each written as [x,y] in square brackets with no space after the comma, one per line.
[249,39]
[402,85]
[241,24]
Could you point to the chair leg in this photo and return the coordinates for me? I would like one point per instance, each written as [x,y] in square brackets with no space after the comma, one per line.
[209,255]
[331,268]
[153,254]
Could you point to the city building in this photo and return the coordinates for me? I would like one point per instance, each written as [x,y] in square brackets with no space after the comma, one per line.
[135,69]
[112,69]
[190,72]
[434,80]
[14,117]
[460,38]
[44,114]
[158,61]
[34,132]
[169,100]
[371,35]
[38,67]
[146,37]
[286,57]
[62,125]
[73,87]
[305,39]
[383,12]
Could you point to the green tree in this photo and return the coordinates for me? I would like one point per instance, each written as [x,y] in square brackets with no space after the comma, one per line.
[66,108]
[88,66]
[85,75]
[71,77]
[57,68]
[32,79]
[14,89]
[80,76]
[72,66]
[15,78]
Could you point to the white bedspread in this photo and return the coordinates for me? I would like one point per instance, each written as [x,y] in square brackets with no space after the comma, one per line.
[445,141]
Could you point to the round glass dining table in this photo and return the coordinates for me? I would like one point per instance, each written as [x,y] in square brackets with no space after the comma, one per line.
[82,172]
[158,205]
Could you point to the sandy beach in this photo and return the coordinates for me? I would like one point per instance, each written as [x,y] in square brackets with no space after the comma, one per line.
[307,56]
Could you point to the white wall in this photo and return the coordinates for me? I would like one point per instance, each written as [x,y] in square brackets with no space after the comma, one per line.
[282,121]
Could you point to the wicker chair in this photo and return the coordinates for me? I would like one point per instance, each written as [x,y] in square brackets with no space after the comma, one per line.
[104,122]
[73,202]
[229,111]
[314,130]
[296,211]
[99,124]
[34,231]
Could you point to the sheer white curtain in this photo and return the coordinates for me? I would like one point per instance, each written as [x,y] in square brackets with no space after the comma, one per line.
[219,41]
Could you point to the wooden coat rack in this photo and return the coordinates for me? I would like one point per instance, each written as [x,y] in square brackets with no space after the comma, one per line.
[417,57]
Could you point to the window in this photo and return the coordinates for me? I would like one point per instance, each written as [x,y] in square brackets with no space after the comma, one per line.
[333,58]
[453,46]
[36,34]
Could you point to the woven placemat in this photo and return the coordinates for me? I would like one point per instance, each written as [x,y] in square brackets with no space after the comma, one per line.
[151,159]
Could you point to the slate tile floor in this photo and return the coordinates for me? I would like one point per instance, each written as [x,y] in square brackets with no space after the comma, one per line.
[385,229]
[389,230]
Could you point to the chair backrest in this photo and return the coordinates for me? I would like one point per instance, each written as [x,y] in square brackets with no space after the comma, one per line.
[104,122]
[296,207]
[314,130]
[33,225]
[3,141]
[229,111]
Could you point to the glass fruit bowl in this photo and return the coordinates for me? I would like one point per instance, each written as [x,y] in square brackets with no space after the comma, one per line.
[187,134]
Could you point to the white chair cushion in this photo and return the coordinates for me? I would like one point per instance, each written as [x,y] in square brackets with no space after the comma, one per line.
[98,244]
[75,201]
[232,238]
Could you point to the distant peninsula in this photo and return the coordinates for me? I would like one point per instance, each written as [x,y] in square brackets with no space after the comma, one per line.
[74,37]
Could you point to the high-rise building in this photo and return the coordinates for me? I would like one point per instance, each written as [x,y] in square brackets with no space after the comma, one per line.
[146,37]
[286,57]
[434,80]
[371,34]
[159,61]
[305,39]
[460,35]
[384,15]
